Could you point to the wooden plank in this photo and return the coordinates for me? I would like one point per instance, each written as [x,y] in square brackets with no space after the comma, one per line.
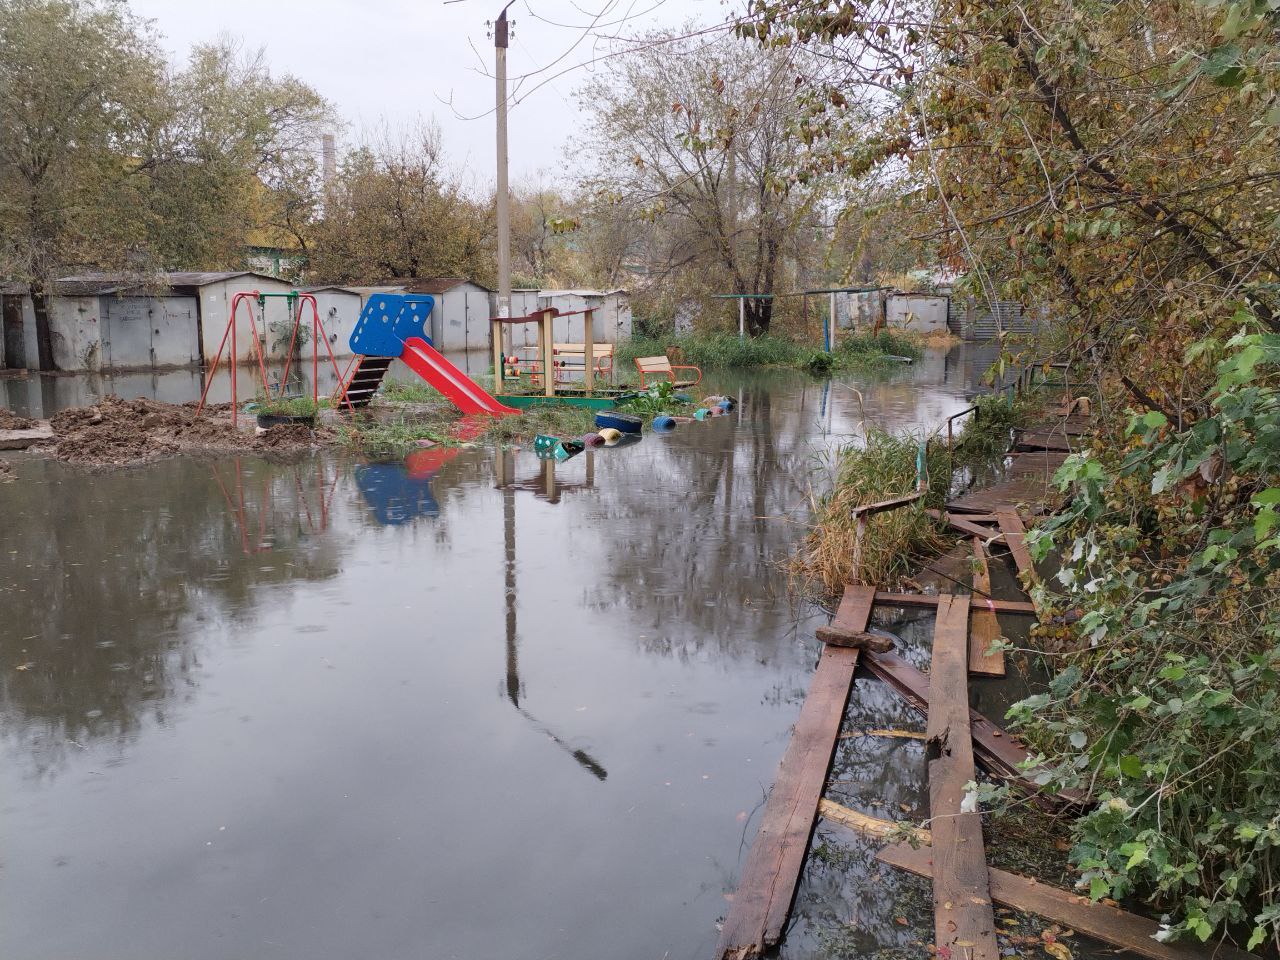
[883,505]
[984,628]
[867,825]
[1001,753]
[963,918]
[1106,923]
[1015,539]
[1044,439]
[929,600]
[772,870]
[964,525]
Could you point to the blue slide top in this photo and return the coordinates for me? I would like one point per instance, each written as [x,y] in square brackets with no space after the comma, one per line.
[388,320]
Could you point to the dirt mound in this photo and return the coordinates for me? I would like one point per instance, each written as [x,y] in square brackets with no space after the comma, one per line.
[6,472]
[286,436]
[11,421]
[115,432]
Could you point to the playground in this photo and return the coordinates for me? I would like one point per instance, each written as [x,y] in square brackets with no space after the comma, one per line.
[377,697]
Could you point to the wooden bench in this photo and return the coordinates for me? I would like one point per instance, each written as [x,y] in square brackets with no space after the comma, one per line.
[575,354]
[570,358]
[657,368]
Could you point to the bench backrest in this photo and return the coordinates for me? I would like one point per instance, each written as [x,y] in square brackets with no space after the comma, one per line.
[654,364]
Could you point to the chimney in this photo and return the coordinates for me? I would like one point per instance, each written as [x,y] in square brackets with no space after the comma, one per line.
[329,159]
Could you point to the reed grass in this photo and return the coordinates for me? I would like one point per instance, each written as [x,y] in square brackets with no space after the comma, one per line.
[882,468]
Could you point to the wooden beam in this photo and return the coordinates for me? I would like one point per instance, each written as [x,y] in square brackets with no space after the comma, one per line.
[1001,753]
[1015,536]
[881,506]
[869,826]
[963,918]
[1109,924]
[772,870]
[929,600]
[836,636]
[984,628]
[964,525]
[589,351]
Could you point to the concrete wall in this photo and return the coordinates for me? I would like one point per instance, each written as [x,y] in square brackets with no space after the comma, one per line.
[916,312]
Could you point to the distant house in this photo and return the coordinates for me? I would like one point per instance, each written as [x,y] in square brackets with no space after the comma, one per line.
[101,321]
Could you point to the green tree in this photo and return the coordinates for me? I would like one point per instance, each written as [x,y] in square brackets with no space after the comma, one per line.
[79,86]
[395,212]
[232,161]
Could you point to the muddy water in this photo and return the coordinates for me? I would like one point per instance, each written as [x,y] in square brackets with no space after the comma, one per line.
[470,706]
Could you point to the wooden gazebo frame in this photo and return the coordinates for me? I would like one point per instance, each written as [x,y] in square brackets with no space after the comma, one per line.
[545,319]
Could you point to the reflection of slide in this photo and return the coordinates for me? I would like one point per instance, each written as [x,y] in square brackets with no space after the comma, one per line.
[467,395]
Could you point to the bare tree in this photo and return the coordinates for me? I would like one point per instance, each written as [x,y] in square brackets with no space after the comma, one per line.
[695,137]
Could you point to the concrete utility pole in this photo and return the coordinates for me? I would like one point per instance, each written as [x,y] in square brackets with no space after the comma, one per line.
[500,38]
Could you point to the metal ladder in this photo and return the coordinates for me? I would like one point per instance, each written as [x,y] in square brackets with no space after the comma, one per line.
[364,381]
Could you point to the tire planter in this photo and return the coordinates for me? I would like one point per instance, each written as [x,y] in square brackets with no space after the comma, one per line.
[268,420]
[623,422]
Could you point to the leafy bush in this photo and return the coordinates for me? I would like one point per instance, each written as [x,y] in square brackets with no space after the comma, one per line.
[728,350]
[1168,710]
[288,406]
[659,398]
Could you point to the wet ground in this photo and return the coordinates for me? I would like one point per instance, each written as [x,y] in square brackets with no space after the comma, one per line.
[470,705]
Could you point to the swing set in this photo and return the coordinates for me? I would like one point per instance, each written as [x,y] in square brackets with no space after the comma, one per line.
[295,303]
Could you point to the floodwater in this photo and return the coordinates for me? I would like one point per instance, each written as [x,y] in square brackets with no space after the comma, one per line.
[472,705]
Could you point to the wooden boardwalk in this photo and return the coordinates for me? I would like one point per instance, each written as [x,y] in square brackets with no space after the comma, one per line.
[963,918]
[1029,483]
[772,870]
[956,734]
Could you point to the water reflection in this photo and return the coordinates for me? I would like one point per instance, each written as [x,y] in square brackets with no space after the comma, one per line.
[257,704]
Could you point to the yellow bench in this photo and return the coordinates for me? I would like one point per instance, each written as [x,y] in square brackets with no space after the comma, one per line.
[570,357]
[657,368]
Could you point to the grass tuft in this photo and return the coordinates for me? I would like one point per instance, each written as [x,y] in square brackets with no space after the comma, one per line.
[864,352]
[882,468]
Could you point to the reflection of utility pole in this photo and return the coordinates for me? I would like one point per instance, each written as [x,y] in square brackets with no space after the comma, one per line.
[504,467]
[500,40]
[506,471]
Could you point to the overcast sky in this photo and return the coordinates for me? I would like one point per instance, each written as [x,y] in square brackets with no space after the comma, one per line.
[396,60]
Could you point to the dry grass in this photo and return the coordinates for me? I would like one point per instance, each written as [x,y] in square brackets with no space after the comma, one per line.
[934,339]
[883,468]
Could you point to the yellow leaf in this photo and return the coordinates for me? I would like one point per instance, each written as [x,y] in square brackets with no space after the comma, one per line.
[1057,950]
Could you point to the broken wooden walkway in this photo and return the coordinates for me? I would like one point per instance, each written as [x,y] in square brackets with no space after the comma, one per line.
[963,919]
[772,871]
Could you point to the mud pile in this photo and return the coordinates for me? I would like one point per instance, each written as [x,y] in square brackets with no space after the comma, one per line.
[117,432]
[11,421]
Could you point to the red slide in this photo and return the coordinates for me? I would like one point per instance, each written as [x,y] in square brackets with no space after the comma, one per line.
[467,395]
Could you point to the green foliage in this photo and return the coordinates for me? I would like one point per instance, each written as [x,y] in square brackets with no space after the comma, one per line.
[396,210]
[659,398]
[440,422]
[288,406]
[727,350]
[713,350]
[989,432]
[1170,709]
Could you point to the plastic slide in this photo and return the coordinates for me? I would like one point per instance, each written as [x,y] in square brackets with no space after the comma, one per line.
[467,395]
